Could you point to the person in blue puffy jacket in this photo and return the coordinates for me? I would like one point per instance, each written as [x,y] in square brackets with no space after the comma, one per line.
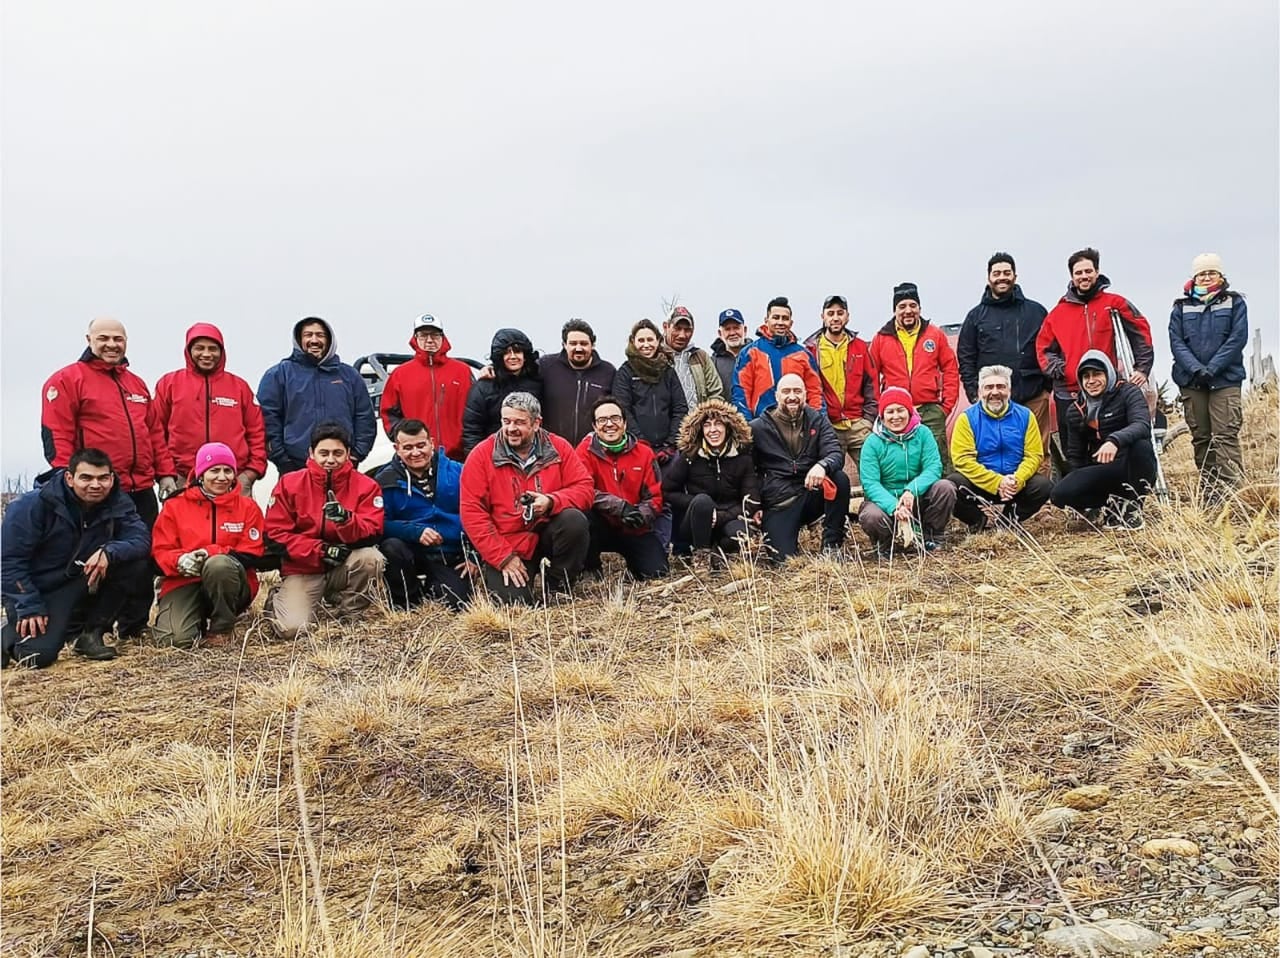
[309,387]
[1208,330]
[421,492]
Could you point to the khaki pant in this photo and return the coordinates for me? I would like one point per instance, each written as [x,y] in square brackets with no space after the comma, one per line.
[219,595]
[931,415]
[1214,417]
[851,438]
[1039,406]
[348,588]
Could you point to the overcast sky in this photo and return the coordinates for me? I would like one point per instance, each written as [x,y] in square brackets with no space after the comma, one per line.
[518,164]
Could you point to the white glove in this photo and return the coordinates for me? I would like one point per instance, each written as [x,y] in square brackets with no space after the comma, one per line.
[192,563]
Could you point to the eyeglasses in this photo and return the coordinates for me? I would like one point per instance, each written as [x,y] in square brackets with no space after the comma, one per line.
[609,420]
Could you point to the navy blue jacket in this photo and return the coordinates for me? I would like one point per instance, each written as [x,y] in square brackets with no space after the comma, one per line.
[300,392]
[408,512]
[45,532]
[1002,332]
[1209,337]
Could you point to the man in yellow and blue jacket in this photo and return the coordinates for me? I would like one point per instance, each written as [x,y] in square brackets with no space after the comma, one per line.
[996,449]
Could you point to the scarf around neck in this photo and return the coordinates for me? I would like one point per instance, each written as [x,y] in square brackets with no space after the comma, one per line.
[648,370]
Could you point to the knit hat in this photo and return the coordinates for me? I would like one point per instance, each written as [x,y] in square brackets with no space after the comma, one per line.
[897,396]
[427,321]
[905,291]
[214,454]
[1206,261]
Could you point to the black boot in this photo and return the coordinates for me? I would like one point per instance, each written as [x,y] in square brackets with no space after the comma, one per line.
[90,645]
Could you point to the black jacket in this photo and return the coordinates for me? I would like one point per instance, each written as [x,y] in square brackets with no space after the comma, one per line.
[728,480]
[725,362]
[568,394]
[46,531]
[1123,418]
[483,414]
[654,410]
[1002,332]
[781,475]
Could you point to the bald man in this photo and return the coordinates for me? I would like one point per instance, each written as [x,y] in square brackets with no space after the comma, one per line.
[801,466]
[98,403]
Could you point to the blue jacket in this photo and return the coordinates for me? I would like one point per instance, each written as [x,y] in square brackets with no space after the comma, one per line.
[300,392]
[407,511]
[1209,337]
[45,532]
[1000,444]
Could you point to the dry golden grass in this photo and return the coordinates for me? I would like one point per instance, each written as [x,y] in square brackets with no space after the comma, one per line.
[837,752]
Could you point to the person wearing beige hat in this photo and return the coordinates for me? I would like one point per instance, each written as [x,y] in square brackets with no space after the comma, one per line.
[1208,330]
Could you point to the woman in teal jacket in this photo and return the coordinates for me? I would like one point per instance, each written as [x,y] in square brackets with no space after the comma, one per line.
[901,473]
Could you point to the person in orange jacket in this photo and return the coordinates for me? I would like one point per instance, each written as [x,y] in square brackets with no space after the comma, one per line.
[432,388]
[204,403]
[765,360]
[208,543]
[913,354]
[328,518]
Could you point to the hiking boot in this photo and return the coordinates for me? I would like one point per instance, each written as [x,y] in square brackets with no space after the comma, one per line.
[932,545]
[1125,517]
[90,646]
[982,525]
[215,640]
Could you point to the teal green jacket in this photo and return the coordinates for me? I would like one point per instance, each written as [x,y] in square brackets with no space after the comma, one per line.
[893,464]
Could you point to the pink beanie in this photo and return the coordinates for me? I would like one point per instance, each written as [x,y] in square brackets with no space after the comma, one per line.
[214,454]
[897,396]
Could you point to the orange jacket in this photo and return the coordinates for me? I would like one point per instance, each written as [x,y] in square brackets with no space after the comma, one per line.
[761,364]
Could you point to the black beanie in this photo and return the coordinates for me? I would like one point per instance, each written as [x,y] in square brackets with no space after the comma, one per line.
[905,291]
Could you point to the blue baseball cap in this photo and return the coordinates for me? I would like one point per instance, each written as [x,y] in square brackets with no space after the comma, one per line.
[732,316]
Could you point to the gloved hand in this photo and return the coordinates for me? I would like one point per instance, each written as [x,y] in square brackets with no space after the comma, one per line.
[632,517]
[192,563]
[335,553]
[168,486]
[1201,379]
[335,513]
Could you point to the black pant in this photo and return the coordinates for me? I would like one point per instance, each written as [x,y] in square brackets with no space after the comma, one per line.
[136,608]
[1029,500]
[72,610]
[406,561]
[644,554]
[782,526]
[1061,406]
[1130,476]
[698,529]
[563,540]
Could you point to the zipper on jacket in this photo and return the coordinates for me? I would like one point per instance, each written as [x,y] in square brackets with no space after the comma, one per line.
[208,409]
[213,522]
[133,436]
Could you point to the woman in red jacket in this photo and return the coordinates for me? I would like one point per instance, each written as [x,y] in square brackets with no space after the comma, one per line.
[207,543]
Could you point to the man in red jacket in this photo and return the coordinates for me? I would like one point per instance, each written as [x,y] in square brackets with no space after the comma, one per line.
[204,403]
[1082,321]
[431,388]
[628,494]
[525,495]
[208,542]
[328,518]
[97,402]
[911,353]
[848,379]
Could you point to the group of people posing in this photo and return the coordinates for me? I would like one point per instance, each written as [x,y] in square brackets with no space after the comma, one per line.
[539,465]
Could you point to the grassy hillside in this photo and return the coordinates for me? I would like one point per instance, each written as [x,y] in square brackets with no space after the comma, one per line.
[834,758]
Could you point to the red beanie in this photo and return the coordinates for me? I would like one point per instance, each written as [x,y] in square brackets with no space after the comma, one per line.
[897,396]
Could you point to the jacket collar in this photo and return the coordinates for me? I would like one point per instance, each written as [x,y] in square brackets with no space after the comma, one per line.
[89,359]
[1015,296]
[543,453]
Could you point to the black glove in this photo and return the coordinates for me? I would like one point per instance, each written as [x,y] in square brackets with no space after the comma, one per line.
[1202,379]
[335,513]
[335,553]
[632,517]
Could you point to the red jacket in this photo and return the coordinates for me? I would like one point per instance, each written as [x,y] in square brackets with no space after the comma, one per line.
[432,388]
[94,405]
[859,399]
[296,521]
[934,375]
[1075,326]
[194,409]
[630,477]
[492,483]
[191,520]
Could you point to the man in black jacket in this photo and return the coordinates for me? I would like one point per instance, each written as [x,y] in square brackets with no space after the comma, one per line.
[1001,331]
[725,348]
[572,380]
[74,551]
[801,466]
[1108,434]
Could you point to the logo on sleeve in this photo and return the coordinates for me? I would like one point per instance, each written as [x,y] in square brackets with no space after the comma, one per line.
[930,345]
[377,502]
[52,394]
[254,534]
